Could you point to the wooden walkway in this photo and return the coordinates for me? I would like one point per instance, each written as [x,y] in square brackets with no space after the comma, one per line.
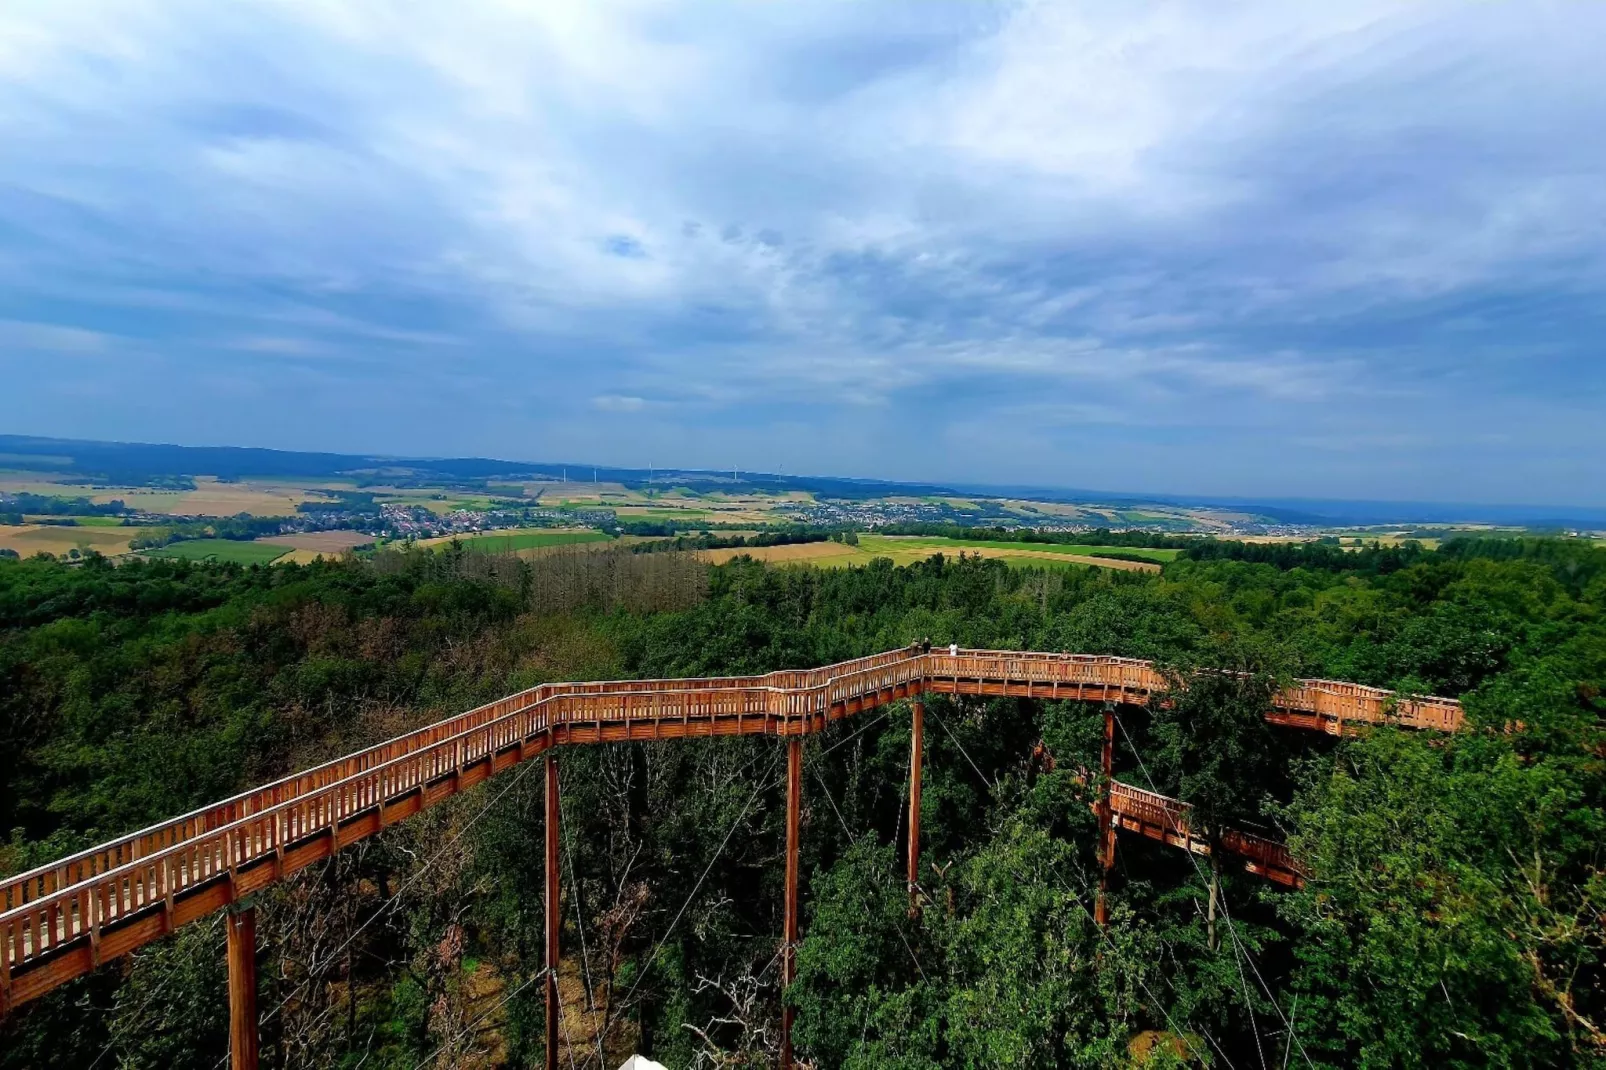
[62,920]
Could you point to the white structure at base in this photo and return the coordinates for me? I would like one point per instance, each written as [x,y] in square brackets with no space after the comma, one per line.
[639,1062]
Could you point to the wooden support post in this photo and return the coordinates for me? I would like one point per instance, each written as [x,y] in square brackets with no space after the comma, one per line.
[1101,908]
[242,956]
[917,732]
[553,917]
[794,806]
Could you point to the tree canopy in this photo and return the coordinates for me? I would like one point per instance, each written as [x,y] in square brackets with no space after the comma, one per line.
[1453,915]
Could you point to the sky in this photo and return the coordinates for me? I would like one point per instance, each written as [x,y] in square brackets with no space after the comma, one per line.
[1351,250]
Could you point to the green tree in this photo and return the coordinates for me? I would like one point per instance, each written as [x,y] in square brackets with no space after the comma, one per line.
[1214,749]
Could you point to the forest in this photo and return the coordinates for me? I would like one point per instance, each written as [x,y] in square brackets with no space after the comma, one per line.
[1454,913]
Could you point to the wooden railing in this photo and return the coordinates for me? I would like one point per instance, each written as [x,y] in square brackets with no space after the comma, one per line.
[62,919]
[1170,821]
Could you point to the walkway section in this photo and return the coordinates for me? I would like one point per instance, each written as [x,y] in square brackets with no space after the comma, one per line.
[61,920]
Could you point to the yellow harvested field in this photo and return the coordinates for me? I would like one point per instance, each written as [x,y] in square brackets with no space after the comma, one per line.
[1049,555]
[22,483]
[814,553]
[327,542]
[211,498]
[836,555]
[1268,540]
[31,539]
[304,557]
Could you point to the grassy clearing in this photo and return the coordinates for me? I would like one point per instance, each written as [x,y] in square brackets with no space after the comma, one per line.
[302,557]
[928,545]
[1144,552]
[31,539]
[641,512]
[908,550]
[213,498]
[802,553]
[79,521]
[228,550]
[503,542]
[333,543]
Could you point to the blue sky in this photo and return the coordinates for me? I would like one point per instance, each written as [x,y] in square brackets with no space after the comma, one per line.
[1343,250]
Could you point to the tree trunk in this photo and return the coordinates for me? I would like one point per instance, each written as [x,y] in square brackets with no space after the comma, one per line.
[1215,892]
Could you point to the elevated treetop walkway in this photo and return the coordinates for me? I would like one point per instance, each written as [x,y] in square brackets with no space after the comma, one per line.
[63,919]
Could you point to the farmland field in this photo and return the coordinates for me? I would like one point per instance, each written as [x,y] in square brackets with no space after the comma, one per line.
[81,521]
[320,542]
[905,550]
[939,544]
[229,550]
[30,539]
[811,553]
[301,557]
[502,542]
[210,498]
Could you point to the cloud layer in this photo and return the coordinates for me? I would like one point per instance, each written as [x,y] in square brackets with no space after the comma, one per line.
[1260,250]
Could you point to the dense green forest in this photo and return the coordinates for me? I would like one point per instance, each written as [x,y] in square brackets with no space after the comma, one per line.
[1455,915]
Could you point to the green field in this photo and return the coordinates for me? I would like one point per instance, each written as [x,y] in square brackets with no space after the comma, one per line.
[1144,552]
[230,550]
[635,512]
[502,542]
[82,521]
[926,545]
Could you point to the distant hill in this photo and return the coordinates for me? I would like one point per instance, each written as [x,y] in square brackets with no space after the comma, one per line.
[140,464]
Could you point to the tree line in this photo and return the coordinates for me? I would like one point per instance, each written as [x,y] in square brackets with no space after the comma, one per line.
[1451,918]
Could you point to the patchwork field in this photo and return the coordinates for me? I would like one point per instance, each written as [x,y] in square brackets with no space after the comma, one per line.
[82,521]
[896,543]
[904,550]
[31,539]
[320,542]
[516,539]
[209,498]
[810,553]
[229,550]
[302,557]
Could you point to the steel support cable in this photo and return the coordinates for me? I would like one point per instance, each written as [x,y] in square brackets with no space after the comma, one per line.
[144,1006]
[1240,952]
[528,981]
[762,786]
[1096,927]
[580,925]
[568,1041]
[264,1019]
[391,901]
[853,838]
[855,734]
[990,785]
[1238,948]
[608,1024]
[563,1019]
[1105,936]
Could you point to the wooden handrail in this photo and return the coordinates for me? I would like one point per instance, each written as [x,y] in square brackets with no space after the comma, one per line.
[61,919]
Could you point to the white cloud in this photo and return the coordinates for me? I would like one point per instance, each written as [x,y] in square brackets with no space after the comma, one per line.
[23,337]
[1253,216]
[618,403]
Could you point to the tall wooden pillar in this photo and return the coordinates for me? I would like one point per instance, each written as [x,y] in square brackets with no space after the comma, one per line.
[794,806]
[242,956]
[917,733]
[1101,908]
[553,917]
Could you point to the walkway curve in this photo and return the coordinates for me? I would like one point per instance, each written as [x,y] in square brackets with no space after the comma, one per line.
[63,919]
